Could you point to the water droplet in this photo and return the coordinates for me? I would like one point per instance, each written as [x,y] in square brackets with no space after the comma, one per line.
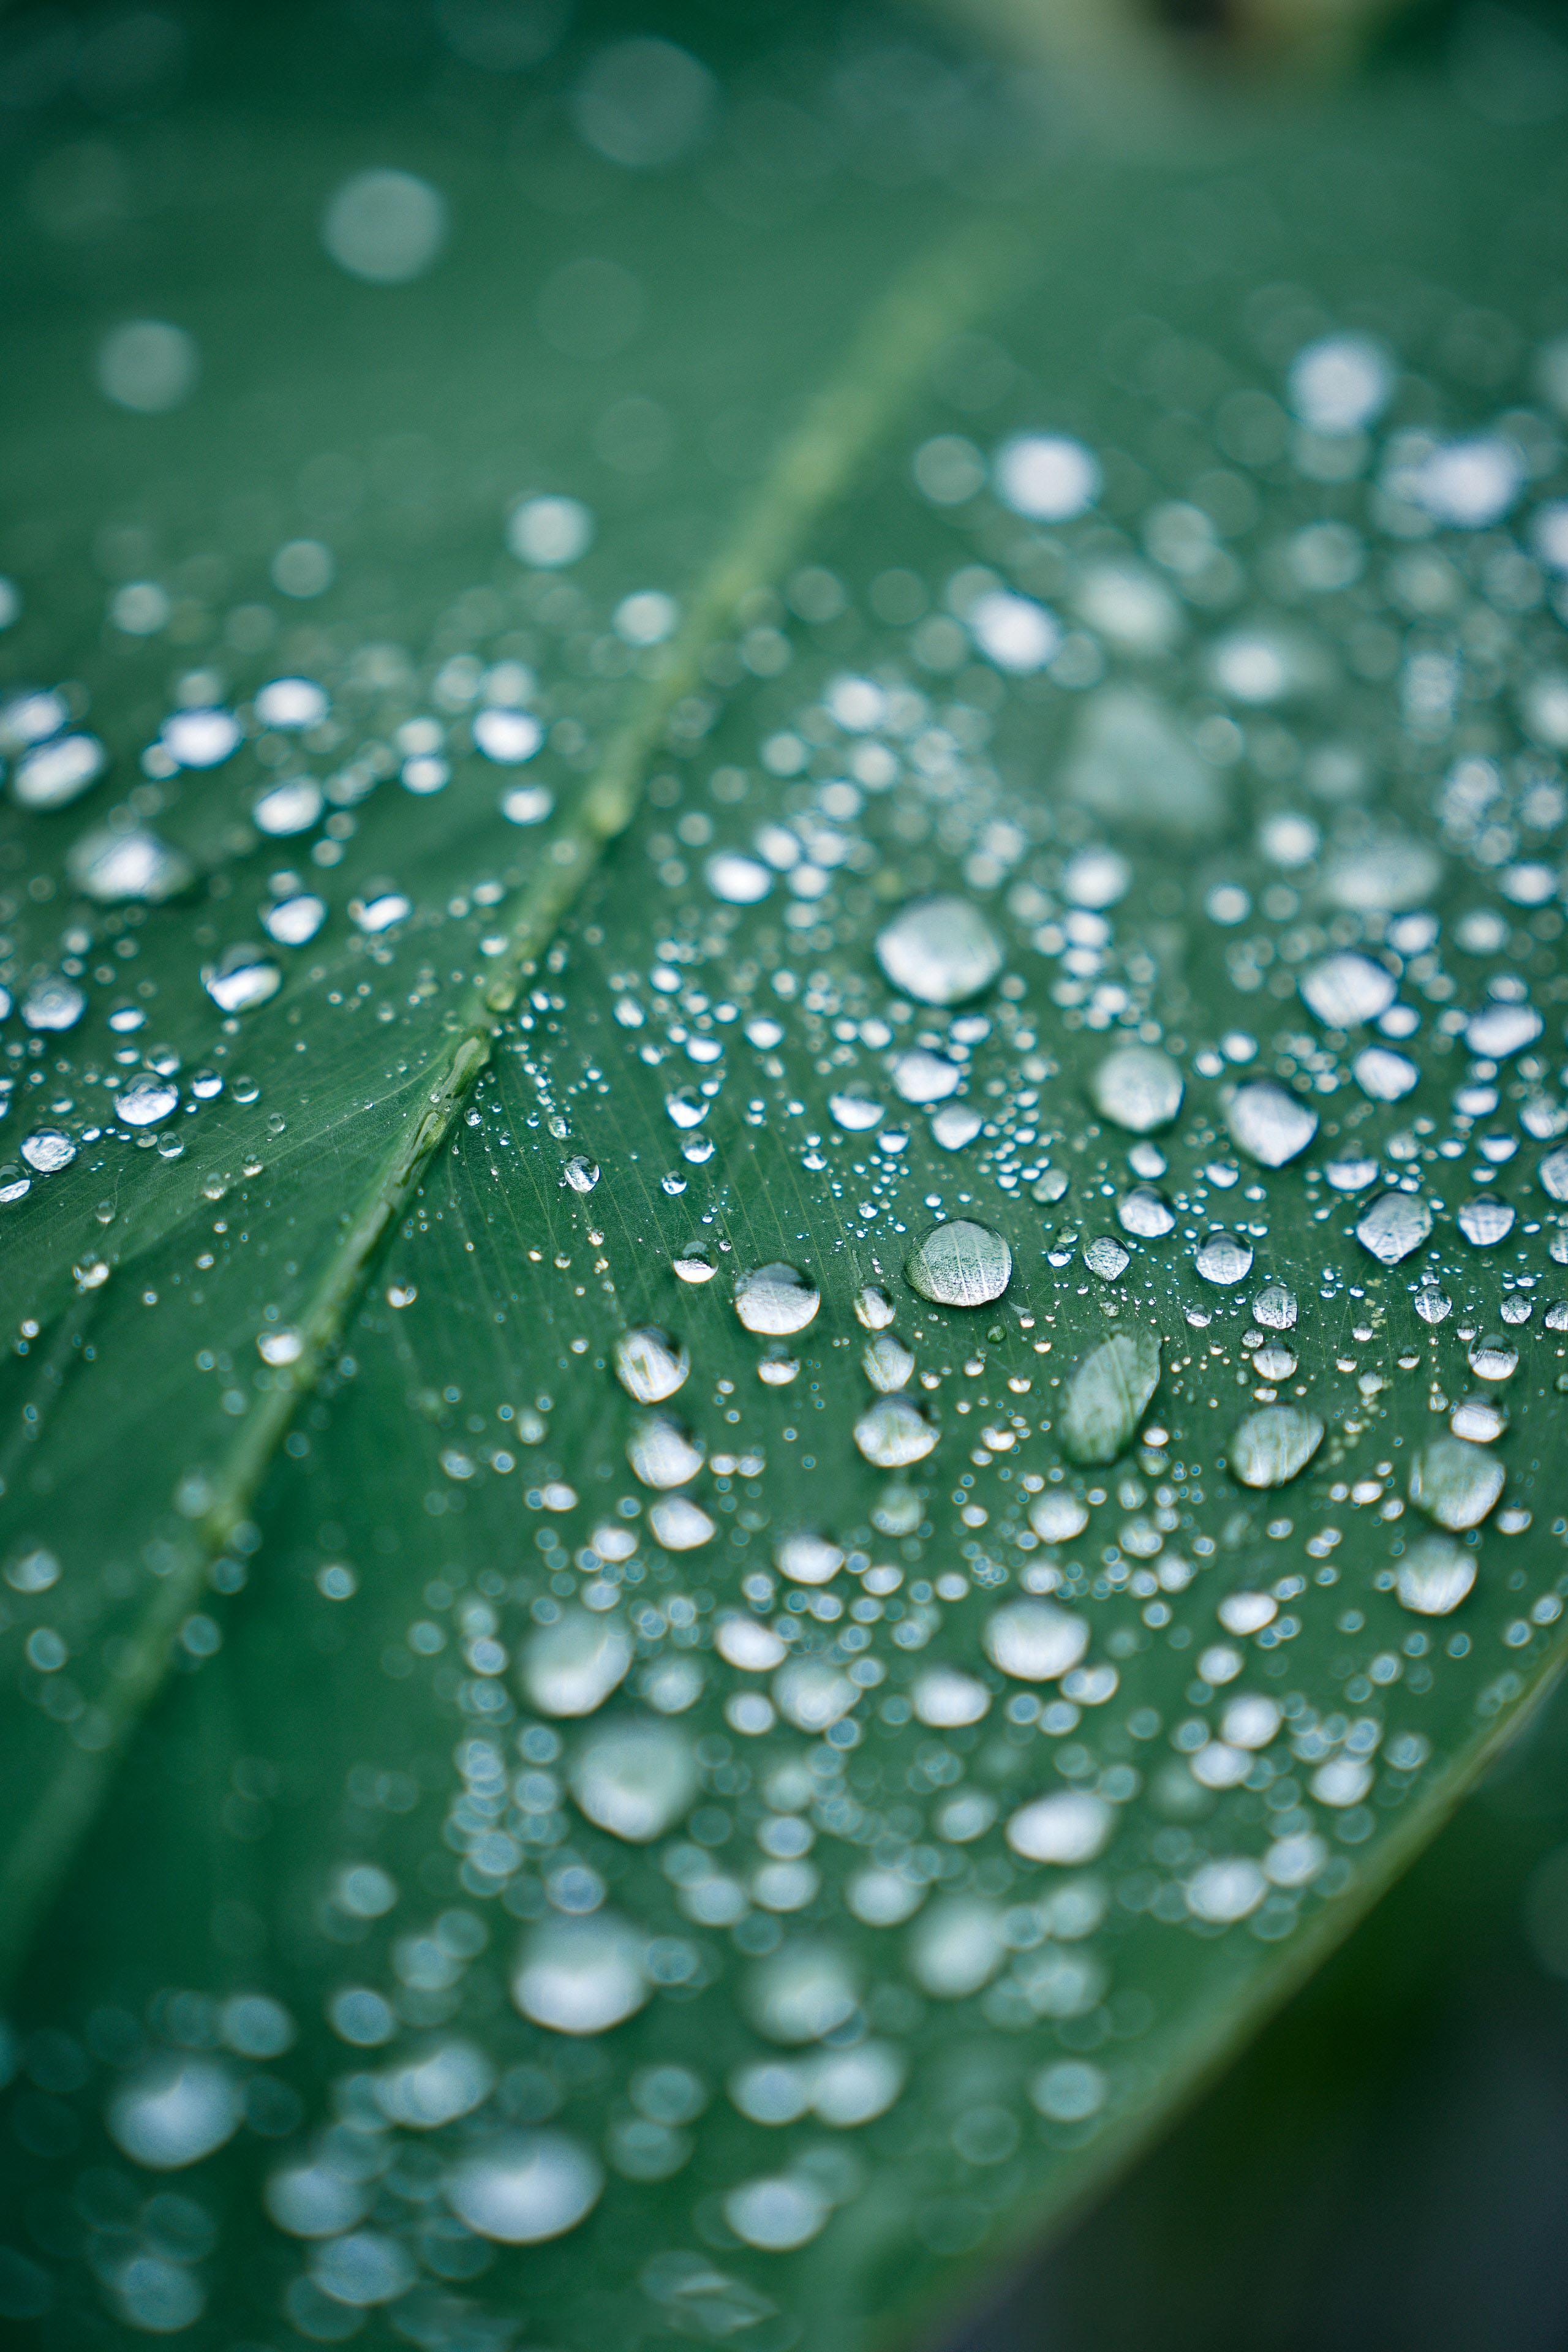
[243,978]
[174,2113]
[956,1947]
[940,951]
[807,1559]
[1485,1220]
[527,803]
[1068,2092]
[739,881]
[812,1695]
[291,702]
[47,1151]
[1250,1721]
[279,1346]
[1052,1186]
[1224,1260]
[1395,1224]
[1069,1826]
[1384,1076]
[522,2188]
[1058,1519]
[745,1642]
[635,1778]
[650,1365]
[775,1300]
[1500,1030]
[313,2201]
[1145,1214]
[874,1311]
[1348,990]
[893,1432]
[293,922]
[687,1108]
[777,2214]
[146,1101]
[663,1453]
[1222,1892]
[1455,1483]
[776,1372]
[114,866]
[1434,1576]
[1341,385]
[1275,1445]
[1269,1125]
[201,739]
[1034,1641]
[57,773]
[1481,1419]
[1494,1358]
[1433,1304]
[53,1004]
[959,1264]
[801,1993]
[363,2269]
[1107,1258]
[1554,1174]
[694,1265]
[1106,1396]
[1138,1087]
[680,1524]
[955,1125]
[507,737]
[580,1173]
[570,1667]
[292,806]
[943,1698]
[445,2083]
[923,1077]
[1047,477]
[887,1364]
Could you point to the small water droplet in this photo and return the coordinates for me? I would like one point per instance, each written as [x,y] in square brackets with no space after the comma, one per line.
[1485,1220]
[1071,1826]
[663,1453]
[580,1173]
[635,1778]
[519,2189]
[694,1264]
[1348,990]
[243,978]
[1395,1224]
[1105,1395]
[570,1668]
[1224,1260]
[874,1311]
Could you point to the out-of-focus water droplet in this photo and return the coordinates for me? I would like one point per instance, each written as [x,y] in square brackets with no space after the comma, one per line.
[1069,1826]
[1052,1187]
[943,1698]
[1269,1125]
[812,1695]
[959,1264]
[1275,1445]
[1395,1224]
[887,1364]
[956,1947]
[1434,1576]
[1554,1174]
[924,1078]
[1145,1214]
[57,773]
[893,1432]
[1105,1396]
[635,1778]
[507,737]
[1341,384]
[1346,991]
[48,1150]
[1034,1641]
[314,2201]
[874,1311]
[857,1114]
[146,1101]
[751,1646]
[53,1004]
[527,803]
[580,1174]
[663,1453]
[293,922]
[775,1300]
[1485,1220]
[650,1365]
[778,2213]
[776,1372]
[955,1125]
[1222,1892]
[242,978]
[570,1667]
[201,739]
[1494,1358]
[680,1524]
[1433,1303]
[1384,1076]
[1047,477]
[174,2111]
[379,910]
[447,2082]
[1455,1483]
[686,1108]
[1137,1088]
[940,951]
[292,806]
[279,1346]
[1224,1260]
[807,1559]
[801,1993]
[519,2189]
[291,702]
[1057,1518]
[1500,1030]
[1481,1419]
[739,881]
[115,866]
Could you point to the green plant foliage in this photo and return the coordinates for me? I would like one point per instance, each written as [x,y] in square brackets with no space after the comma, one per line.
[786,1266]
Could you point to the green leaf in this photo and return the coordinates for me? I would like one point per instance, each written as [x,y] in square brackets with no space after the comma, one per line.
[682,1647]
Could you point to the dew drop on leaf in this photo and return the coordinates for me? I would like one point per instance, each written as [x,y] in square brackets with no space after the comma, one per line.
[522,2188]
[663,1453]
[1105,1395]
[1273,1445]
[635,1778]
[944,1697]
[887,1364]
[807,1559]
[1137,1088]
[1146,1214]
[1106,1258]
[1269,1125]
[874,1311]
[1484,1221]
[1071,1826]
[926,1078]
[775,1300]
[243,978]
[1434,1576]
[1395,1224]
[570,1667]
[893,1432]
[939,950]
[1034,1641]
[1455,1483]
[959,1264]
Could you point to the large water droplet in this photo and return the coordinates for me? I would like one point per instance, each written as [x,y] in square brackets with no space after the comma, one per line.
[807,1559]
[1056,1518]
[1275,1308]
[579,1976]
[522,2188]
[940,951]
[663,1453]
[1433,1303]
[48,1150]
[1554,1174]
[959,1264]
[893,1432]
[680,1524]
[1138,1087]
[1434,1576]
[54,1003]
[1146,1214]
[1222,1892]
[242,978]
[1106,1258]
[887,1364]
[570,1667]
[745,1642]
[1384,1076]
[801,1993]
[1105,1395]
[874,1311]
[1500,1030]
[956,1947]
[115,866]
[1347,990]
[1034,1641]
[1485,1220]
[295,921]
[776,1300]
[924,1078]
[1269,1125]
[1455,1483]
[1069,1826]
[174,2111]
[739,880]
[857,1114]
[1224,1260]
[1395,1224]
[635,1778]
[1494,1358]
[1275,1445]
[955,1125]
[292,806]
[811,1694]
[147,1101]
[650,1365]
[944,1698]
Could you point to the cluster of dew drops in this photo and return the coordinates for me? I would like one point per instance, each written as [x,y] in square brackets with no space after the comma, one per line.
[1369,976]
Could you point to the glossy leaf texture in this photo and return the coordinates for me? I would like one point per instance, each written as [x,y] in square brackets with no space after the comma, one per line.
[831,1427]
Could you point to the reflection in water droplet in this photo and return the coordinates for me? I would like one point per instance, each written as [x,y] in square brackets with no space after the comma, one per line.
[570,1667]
[1347,990]
[580,1174]
[1395,1224]
[47,1151]
[1057,1518]
[522,2188]
[940,951]
[1455,1483]
[1069,1826]
[663,1453]
[893,1432]
[146,1102]
[635,1778]
[855,1114]
[1494,1358]
[1224,1260]
[1106,1394]
[1138,1087]
[53,1004]
[775,1300]
[694,1264]
[1034,1641]
[887,1364]
[959,1264]
[1275,1445]
[874,1311]
[1434,1576]
[649,1364]
[1269,1125]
